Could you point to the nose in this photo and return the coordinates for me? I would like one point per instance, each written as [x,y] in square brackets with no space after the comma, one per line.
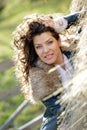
[45,49]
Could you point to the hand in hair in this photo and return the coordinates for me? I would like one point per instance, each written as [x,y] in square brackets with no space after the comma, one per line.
[48,21]
[59,23]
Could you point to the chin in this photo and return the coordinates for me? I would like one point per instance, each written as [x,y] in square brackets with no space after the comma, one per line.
[50,63]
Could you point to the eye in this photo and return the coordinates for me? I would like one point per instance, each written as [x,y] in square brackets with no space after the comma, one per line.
[38,47]
[50,42]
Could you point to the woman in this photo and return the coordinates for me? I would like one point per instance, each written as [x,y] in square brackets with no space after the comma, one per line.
[43,65]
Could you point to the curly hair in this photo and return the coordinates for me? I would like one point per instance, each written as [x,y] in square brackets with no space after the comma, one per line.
[25,56]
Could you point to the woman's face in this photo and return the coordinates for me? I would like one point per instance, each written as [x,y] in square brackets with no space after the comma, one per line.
[47,48]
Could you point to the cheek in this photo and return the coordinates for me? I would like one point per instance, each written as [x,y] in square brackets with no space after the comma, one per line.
[39,52]
[55,47]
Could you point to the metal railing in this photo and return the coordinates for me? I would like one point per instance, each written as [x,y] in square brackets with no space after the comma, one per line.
[5,65]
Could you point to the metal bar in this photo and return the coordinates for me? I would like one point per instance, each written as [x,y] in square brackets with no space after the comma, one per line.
[32,124]
[14,115]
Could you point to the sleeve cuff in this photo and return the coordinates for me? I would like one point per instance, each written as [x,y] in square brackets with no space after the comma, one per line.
[60,24]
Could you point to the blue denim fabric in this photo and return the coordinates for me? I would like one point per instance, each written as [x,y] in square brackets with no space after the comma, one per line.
[51,113]
[49,124]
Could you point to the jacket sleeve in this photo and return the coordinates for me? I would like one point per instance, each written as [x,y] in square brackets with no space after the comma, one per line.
[65,22]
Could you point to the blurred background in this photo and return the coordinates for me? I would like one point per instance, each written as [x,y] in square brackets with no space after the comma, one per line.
[12,14]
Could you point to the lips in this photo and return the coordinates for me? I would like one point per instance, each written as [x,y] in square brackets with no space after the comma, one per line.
[49,56]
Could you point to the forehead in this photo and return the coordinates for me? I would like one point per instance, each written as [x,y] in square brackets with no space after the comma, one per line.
[43,37]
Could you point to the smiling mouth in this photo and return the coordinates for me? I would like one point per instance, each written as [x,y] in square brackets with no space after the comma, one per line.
[48,57]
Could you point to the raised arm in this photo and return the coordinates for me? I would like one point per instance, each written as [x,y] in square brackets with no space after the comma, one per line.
[63,22]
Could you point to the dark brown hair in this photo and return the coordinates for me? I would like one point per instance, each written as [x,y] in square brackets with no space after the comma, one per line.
[25,55]
[36,28]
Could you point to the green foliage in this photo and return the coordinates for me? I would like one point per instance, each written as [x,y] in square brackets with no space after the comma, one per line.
[11,14]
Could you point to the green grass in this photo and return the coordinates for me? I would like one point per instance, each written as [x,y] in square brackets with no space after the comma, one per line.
[7,80]
[10,17]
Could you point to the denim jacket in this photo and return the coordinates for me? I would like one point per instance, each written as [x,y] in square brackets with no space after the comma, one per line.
[52,111]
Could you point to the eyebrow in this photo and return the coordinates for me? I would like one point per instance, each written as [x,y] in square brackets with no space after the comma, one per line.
[45,42]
